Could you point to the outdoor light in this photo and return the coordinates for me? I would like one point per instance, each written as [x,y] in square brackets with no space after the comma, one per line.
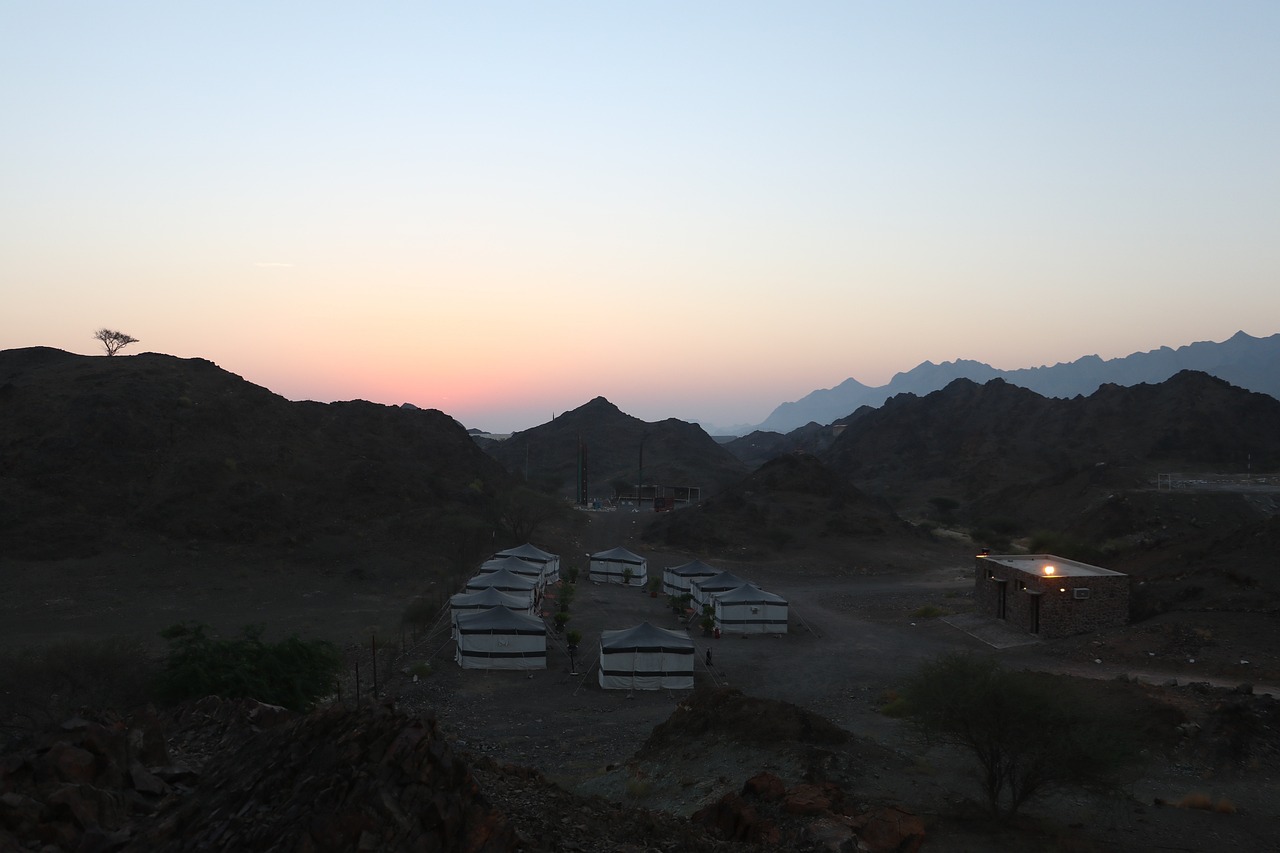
[1048,570]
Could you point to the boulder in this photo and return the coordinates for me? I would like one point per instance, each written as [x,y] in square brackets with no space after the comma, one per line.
[888,829]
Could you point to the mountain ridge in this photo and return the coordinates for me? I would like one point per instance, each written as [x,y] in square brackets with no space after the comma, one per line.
[1251,363]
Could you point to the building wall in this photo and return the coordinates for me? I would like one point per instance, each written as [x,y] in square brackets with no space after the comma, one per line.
[1060,614]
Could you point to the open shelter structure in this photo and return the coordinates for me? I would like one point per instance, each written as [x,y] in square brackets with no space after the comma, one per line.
[646,658]
[504,581]
[531,553]
[501,639]
[705,588]
[748,609]
[678,580]
[611,567]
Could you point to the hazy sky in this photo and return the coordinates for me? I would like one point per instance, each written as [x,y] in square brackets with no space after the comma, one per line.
[698,210]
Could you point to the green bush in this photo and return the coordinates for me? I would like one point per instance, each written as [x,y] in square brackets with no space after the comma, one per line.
[293,673]
[1027,734]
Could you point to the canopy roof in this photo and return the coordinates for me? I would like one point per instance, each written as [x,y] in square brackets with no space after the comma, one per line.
[515,565]
[695,569]
[645,638]
[749,593]
[502,579]
[500,620]
[619,555]
[724,580]
[488,597]
[527,552]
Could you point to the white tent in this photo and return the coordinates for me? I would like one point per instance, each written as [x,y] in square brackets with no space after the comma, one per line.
[705,588]
[678,580]
[504,581]
[610,567]
[550,562]
[487,599]
[646,658]
[517,566]
[748,609]
[501,639]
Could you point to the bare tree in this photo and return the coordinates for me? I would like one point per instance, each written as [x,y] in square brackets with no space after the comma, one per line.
[113,341]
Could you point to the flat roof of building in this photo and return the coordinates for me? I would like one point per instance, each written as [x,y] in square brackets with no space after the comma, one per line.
[1049,565]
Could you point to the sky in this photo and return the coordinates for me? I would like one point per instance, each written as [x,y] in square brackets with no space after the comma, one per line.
[695,209]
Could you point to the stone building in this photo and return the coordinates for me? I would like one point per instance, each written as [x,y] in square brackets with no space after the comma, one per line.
[1050,596]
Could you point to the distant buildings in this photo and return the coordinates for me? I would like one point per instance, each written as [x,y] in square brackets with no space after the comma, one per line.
[1050,596]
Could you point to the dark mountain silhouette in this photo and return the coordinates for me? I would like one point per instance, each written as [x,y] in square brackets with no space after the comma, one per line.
[792,501]
[1243,360]
[617,448]
[98,452]
[1003,452]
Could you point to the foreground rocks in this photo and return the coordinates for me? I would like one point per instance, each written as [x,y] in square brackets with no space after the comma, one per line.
[241,775]
[767,812]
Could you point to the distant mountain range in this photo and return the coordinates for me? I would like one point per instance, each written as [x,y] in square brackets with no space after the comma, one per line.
[1243,360]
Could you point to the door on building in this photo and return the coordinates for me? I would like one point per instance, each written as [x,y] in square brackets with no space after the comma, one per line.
[1002,588]
[1035,613]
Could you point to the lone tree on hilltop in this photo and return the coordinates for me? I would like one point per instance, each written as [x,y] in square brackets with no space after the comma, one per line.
[113,341]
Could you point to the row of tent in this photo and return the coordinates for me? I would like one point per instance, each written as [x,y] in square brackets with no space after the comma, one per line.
[494,618]
[641,658]
[738,606]
[496,627]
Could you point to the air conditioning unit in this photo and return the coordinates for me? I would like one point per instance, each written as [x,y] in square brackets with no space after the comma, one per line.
[1080,592]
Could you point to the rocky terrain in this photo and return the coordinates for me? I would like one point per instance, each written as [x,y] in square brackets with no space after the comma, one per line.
[142,491]
[611,450]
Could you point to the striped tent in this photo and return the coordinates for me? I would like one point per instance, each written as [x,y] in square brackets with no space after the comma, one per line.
[748,609]
[501,639]
[611,567]
[646,658]
[550,562]
[679,579]
[706,588]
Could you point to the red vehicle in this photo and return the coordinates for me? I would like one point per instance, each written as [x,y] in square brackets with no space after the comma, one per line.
[663,504]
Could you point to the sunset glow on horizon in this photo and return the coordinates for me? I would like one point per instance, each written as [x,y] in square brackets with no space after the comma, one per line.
[696,211]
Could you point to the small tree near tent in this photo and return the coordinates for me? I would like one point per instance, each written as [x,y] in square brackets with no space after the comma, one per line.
[113,341]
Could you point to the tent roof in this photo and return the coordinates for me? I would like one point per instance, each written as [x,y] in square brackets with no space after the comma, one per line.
[618,555]
[501,578]
[749,593]
[500,619]
[512,564]
[488,597]
[724,580]
[645,637]
[527,552]
[695,569]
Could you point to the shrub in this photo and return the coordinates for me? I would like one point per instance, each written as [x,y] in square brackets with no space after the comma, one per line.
[292,673]
[1028,735]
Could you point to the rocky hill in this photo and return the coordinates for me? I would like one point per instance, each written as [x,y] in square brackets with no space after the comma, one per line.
[792,503]
[1243,360]
[617,449]
[990,447]
[103,454]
